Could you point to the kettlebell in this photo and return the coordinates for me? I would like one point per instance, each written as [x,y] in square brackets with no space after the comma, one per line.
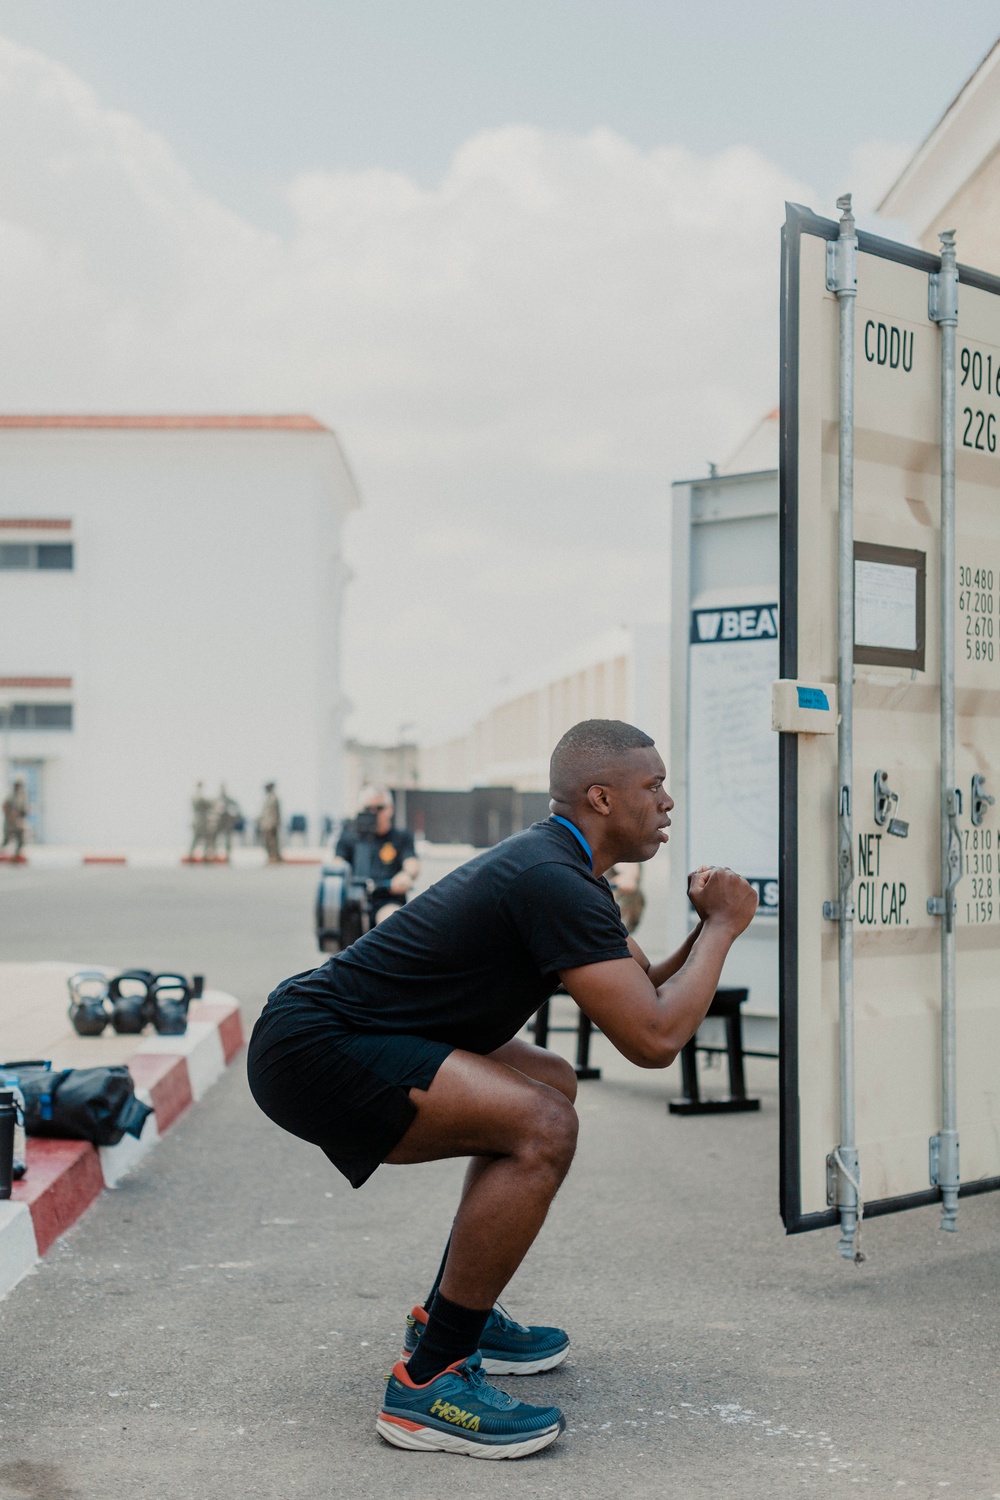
[171,997]
[88,996]
[131,1011]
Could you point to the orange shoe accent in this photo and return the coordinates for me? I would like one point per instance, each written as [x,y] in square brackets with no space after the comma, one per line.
[402,1375]
[399,1370]
[402,1422]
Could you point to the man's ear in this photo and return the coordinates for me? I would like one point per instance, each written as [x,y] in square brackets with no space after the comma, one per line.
[599,800]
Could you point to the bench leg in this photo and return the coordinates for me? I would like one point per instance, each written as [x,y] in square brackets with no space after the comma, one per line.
[689,1071]
[734,1047]
[585,1027]
[692,1103]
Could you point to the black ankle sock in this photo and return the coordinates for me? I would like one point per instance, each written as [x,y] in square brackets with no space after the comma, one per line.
[452,1332]
[437,1280]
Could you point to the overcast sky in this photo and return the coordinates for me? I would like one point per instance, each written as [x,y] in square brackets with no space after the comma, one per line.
[523,256]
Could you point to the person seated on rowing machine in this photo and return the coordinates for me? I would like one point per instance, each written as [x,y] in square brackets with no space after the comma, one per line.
[380,852]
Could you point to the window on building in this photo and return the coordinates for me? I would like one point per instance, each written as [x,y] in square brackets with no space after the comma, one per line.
[36,555]
[38,716]
[55,555]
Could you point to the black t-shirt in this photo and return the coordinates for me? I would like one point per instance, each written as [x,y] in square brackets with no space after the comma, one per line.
[378,858]
[469,960]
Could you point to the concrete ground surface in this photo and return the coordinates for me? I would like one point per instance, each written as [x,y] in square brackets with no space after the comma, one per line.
[221,1324]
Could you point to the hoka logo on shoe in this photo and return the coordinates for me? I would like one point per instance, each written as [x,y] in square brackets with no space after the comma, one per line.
[455,1415]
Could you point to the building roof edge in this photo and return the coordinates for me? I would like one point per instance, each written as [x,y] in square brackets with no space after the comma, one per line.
[915,182]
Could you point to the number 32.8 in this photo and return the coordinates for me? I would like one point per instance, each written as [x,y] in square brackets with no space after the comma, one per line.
[977,427]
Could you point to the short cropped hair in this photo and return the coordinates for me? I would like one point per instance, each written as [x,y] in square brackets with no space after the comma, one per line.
[586,754]
[375,793]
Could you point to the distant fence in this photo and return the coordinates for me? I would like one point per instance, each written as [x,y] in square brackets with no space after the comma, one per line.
[481,817]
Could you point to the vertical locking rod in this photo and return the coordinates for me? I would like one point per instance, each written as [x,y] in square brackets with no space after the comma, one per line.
[842,278]
[943,307]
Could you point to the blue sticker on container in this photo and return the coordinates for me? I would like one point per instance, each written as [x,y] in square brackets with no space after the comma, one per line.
[813,698]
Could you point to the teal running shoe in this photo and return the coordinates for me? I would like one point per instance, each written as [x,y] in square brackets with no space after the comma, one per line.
[459,1412]
[508,1348]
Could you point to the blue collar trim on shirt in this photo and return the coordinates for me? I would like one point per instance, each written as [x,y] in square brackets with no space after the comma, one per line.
[577,835]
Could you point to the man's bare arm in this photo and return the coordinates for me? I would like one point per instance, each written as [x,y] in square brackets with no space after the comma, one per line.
[638,955]
[649,1023]
[661,972]
[667,967]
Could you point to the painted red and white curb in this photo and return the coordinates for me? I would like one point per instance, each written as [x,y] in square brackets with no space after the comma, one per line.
[244,857]
[64,1177]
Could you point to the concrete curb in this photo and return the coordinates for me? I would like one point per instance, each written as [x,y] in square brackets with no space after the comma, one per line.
[65,1177]
[244,857]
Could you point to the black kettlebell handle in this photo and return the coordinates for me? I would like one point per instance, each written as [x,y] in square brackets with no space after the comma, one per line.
[144,977]
[170,980]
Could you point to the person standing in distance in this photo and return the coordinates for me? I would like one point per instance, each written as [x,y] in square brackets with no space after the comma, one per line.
[200,807]
[378,851]
[404,1048]
[269,824]
[15,820]
[222,820]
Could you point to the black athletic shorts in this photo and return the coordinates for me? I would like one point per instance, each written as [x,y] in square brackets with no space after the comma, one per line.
[344,1090]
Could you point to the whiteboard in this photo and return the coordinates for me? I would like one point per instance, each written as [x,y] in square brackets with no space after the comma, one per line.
[732,752]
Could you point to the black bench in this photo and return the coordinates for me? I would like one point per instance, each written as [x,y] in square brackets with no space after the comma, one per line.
[726,1006]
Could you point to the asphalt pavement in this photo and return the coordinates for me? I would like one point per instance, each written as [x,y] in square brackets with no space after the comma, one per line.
[221,1324]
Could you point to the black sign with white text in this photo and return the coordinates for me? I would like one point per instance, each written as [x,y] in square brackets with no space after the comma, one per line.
[750,622]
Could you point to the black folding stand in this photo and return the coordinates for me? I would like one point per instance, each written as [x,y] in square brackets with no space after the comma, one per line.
[726,1006]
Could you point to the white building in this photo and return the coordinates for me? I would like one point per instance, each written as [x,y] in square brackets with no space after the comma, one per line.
[170,598]
[953,179]
[622,675]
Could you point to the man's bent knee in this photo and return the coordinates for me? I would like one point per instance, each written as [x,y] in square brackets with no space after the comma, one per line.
[550,1135]
[563,1077]
[540,1064]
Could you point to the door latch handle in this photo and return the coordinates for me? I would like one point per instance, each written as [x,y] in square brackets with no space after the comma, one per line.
[981,800]
[886,802]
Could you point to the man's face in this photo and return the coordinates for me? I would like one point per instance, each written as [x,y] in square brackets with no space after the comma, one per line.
[640,805]
[383,814]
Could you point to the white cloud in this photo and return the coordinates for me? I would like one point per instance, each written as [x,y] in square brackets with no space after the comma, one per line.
[875,165]
[518,361]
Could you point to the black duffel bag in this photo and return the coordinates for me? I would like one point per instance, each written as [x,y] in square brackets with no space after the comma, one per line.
[78,1104]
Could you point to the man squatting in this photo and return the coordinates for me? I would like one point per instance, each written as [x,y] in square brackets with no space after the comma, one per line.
[404,1048]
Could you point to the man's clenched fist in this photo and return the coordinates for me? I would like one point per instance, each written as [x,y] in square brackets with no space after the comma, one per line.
[720,895]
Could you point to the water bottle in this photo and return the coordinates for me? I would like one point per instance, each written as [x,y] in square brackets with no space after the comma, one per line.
[20,1159]
[8,1124]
